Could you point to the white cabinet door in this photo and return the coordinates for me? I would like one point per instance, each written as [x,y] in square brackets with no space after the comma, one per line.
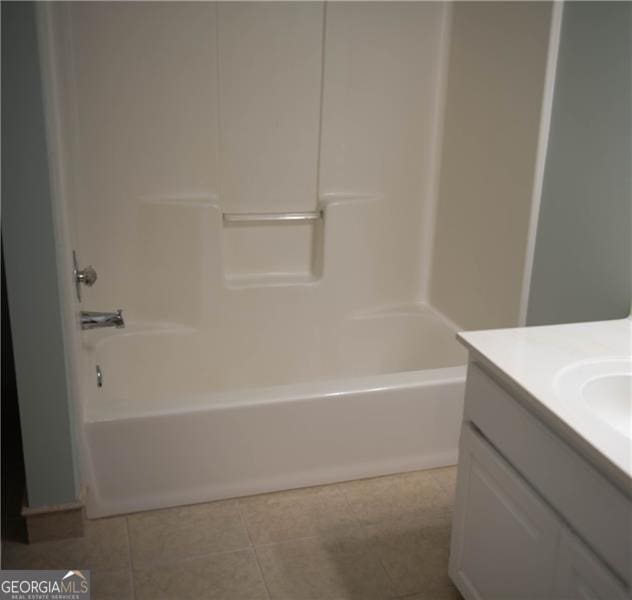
[582,576]
[504,538]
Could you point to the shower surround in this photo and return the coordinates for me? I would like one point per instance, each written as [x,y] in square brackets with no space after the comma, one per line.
[259,354]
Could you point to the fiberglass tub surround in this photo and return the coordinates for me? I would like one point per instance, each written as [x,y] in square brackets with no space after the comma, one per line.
[263,352]
[276,386]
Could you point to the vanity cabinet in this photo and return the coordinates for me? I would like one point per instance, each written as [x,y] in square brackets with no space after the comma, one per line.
[511,537]
[580,575]
[504,537]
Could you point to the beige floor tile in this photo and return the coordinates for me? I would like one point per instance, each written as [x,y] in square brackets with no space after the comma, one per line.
[450,595]
[176,533]
[378,538]
[296,514]
[62,525]
[408,495]
[324,568]
[446,478]
[415,555]
[104,545]
[224,576]
[113,584]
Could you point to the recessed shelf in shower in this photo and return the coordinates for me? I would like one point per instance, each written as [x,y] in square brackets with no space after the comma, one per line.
[280,248]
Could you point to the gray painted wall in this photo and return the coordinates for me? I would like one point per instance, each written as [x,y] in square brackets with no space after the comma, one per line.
[31,271]
[582,267]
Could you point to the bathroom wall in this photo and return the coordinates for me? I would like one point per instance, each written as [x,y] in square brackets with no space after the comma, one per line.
[203,108]
[31,269]
[496,77]
[582,267]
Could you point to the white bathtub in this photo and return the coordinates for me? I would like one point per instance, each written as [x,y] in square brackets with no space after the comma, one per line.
[176,423]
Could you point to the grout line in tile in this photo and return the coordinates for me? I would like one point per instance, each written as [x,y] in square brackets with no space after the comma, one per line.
[261,573]
[376,555]
[182,559]
[130,560]
[389,577]
[243,524]
[301,539]
[254,550]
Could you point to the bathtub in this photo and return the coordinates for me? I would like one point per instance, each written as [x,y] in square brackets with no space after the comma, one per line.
[181,419]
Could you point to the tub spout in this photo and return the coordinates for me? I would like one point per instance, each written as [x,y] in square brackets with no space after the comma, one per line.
[95,319]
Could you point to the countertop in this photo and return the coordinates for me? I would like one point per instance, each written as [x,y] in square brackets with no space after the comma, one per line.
[532,358]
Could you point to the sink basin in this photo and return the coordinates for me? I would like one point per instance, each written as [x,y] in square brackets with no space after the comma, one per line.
[604,387]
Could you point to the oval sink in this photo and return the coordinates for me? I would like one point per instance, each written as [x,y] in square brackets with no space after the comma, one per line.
[611,397]
[604,387]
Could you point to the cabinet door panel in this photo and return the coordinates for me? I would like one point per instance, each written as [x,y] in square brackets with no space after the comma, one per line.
[504,537]
[582,576]
[571,486]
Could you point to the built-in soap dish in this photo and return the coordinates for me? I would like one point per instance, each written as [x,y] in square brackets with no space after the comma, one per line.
[272,249]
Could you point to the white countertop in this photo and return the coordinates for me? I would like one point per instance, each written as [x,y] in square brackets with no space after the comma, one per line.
[532,359]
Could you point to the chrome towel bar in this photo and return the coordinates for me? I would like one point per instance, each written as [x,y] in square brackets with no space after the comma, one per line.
[272,217]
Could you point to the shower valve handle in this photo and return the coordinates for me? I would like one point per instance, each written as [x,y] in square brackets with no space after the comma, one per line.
[86,276]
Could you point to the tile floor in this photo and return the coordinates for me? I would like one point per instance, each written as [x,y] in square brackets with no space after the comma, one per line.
[382,538]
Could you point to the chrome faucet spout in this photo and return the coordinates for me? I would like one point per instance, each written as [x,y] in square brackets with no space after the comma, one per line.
[95,319]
